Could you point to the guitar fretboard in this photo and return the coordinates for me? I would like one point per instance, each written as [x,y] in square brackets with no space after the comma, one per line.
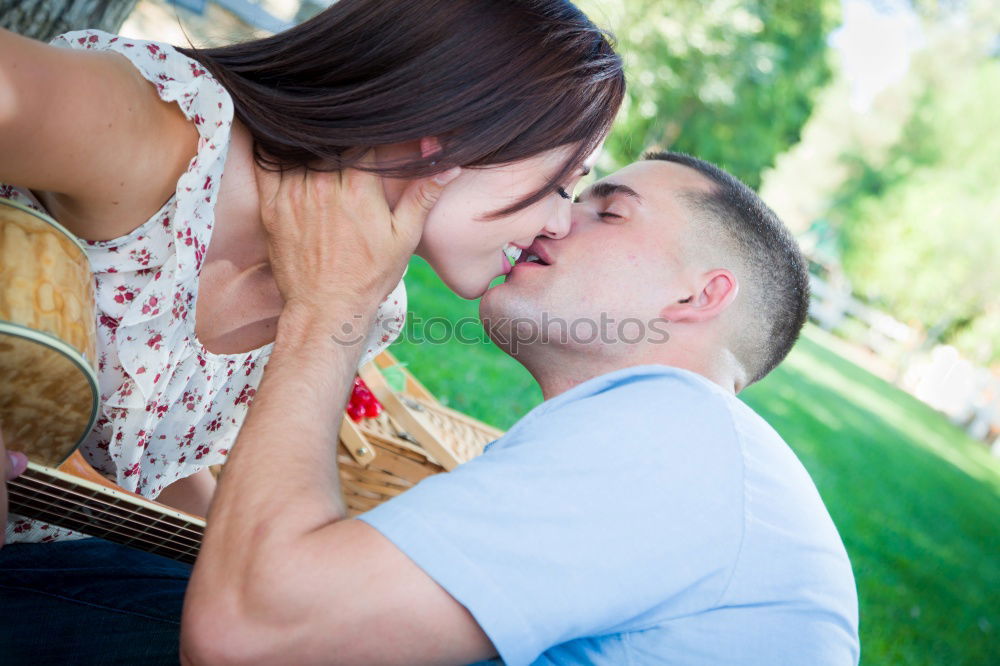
[66,501]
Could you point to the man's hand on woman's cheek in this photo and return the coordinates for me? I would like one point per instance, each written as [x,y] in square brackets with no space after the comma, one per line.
[332,236]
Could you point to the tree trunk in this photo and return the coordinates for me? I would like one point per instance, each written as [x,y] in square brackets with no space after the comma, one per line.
[44,19]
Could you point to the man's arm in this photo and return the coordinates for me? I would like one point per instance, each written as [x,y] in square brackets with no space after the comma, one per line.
[282,576]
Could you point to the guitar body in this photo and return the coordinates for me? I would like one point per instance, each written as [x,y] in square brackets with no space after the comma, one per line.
[49,392]
[76,466]
[48,378]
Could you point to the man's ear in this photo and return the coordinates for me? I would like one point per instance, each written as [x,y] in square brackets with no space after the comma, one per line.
[429,146]
[717,291]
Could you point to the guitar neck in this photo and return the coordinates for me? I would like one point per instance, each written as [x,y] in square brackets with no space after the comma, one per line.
[63,500]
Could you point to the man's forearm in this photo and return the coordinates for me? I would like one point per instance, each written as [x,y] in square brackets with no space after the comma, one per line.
[281,480]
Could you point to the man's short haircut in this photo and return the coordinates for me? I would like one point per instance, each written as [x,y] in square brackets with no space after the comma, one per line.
[777,296]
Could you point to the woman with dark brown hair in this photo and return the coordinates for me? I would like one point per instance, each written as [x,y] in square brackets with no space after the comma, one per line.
[148,153]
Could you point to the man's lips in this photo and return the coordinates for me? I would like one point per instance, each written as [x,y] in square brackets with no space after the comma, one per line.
[536,248]
[540,251]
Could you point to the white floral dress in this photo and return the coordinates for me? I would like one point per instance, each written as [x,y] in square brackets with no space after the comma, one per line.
[169,407]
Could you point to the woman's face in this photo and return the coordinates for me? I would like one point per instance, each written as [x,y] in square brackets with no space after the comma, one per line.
[466,249]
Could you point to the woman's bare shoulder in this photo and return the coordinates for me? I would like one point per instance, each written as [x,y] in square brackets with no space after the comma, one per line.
[89,135]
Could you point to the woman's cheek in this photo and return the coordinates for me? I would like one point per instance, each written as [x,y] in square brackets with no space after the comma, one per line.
[449,259]
[434,234]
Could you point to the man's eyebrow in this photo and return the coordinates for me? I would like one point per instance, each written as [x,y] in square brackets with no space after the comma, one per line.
[604,190]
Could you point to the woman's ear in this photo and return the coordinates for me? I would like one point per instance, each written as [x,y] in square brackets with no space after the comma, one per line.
[429,146]
[717,292]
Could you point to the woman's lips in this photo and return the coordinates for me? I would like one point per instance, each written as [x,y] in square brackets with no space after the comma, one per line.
[506,263]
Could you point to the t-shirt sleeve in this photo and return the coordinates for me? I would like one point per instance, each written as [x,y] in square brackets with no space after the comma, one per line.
[609,512]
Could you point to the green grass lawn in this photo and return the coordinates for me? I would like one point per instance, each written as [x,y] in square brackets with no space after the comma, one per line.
[916,501]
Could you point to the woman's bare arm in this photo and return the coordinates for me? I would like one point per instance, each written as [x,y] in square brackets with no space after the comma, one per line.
[89,135]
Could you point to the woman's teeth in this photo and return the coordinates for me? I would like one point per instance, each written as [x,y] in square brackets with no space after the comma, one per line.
[513,253]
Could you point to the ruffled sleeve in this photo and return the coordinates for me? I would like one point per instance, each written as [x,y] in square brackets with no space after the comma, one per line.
[172,244]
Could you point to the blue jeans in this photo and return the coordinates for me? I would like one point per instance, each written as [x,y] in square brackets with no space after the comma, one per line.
[89,602]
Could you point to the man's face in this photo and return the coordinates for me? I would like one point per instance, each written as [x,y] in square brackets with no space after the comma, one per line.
[627,256]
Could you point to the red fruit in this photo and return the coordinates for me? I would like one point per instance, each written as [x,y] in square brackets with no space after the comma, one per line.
[363,403]
[356,412]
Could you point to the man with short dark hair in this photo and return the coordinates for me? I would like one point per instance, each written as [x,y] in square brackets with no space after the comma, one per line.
[735,224]
[641,515]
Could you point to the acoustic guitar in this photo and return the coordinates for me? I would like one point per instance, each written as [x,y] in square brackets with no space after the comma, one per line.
[49,393]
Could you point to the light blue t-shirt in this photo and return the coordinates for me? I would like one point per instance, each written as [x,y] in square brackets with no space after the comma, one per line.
[643,517]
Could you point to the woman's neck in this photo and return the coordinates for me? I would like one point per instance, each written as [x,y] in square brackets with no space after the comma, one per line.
[238,235]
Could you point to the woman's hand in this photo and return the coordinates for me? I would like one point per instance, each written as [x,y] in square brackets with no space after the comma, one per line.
[12,465]
[333,236]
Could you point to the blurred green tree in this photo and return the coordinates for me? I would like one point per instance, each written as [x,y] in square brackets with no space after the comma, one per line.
[731,81]
[919,229]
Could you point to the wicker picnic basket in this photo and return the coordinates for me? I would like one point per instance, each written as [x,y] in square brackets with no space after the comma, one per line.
[416,436]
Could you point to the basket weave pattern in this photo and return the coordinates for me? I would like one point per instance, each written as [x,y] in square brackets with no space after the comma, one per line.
[401,460]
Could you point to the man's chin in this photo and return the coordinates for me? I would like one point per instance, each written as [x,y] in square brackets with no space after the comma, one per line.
[501,295]
[506,301]
[501,300]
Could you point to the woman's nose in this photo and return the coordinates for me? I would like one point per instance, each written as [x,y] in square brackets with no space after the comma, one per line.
[559,224]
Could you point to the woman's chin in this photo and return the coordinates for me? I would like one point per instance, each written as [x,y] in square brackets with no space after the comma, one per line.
[470,290]
[463,285]
[473,294]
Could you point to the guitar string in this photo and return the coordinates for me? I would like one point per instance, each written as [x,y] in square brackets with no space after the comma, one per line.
[126,512]
[104,530]
[159,548]
[132,506]
[97,524]
[109,533]
[116,511]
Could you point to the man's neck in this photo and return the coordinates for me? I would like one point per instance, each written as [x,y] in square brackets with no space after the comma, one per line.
[558,369]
